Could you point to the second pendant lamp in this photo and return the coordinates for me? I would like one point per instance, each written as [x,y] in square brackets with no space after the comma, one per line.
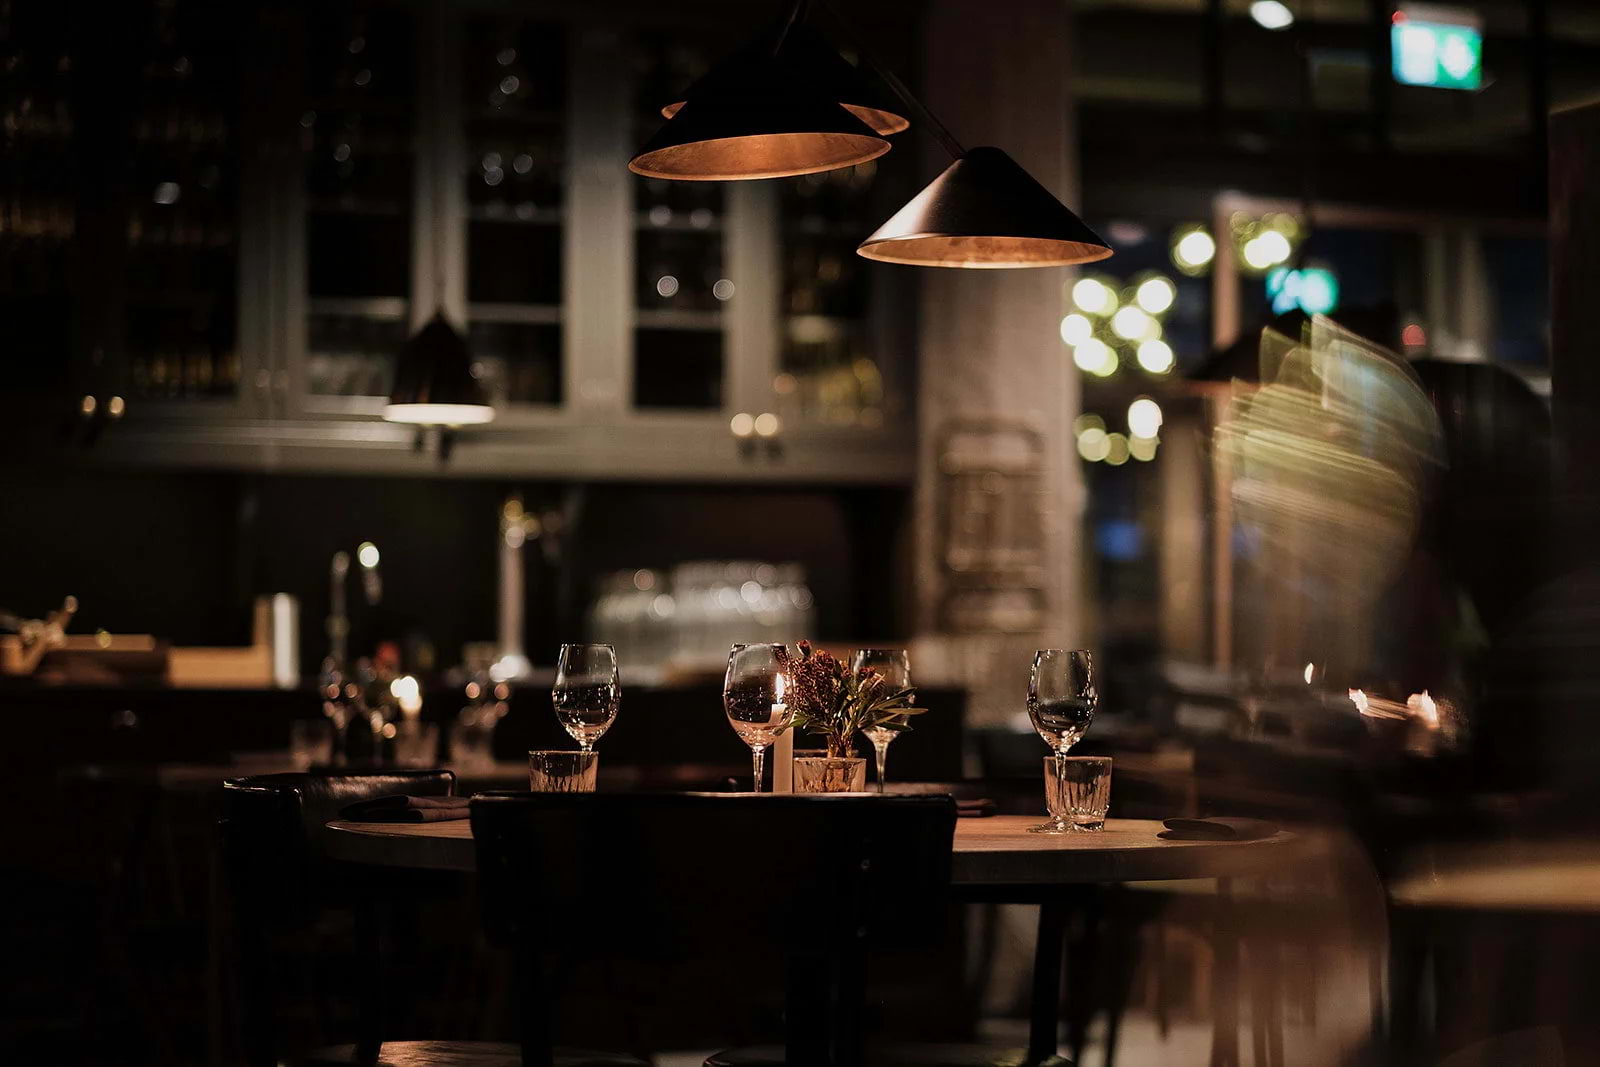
[789,104]
[984,211]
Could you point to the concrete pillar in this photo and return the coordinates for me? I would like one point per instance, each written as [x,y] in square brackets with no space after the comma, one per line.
[990,348]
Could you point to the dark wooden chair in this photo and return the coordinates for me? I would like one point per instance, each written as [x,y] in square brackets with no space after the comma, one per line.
[807,887]
[281,882]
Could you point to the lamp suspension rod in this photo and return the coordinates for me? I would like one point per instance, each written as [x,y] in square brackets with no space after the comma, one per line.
[797,12]
[436,195]
[940,132]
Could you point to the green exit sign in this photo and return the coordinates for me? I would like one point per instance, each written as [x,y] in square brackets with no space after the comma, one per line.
[1440,47]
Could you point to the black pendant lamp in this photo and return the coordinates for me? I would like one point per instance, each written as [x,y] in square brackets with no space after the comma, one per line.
[756,122]
[433,382]
[806,58]
[984,211]
[766,114]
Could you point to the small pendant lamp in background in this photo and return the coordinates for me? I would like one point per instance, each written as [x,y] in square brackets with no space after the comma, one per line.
[433,382]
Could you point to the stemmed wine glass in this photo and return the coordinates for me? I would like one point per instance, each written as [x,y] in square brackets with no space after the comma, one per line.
[752,695]
[894,667]
[586,692]
[1061,703]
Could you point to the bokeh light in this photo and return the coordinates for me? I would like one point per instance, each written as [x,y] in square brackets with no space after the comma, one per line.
[1095,357]
[1194,251]
[1155,356]
[1144,417]
[1155,295]
[1094,444]
[1271,14]
[1266,249]
[1131,324]
[1094,296]
[1076,329]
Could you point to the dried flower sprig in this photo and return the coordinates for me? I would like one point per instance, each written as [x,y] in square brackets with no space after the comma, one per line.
[831,703]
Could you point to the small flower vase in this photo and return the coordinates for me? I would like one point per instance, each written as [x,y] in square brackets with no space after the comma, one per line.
[843,774]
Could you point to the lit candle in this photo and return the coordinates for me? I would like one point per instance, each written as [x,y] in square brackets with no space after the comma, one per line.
[782,754]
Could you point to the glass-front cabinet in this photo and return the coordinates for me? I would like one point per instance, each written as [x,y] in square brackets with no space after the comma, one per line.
[513,100]
[120,204]
[470,160]
[832,356]
[181,237]
[681,287]
[359,173]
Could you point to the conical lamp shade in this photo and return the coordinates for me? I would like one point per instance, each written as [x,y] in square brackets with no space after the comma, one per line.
[985,211]
[761,124]
[807,58]
[433,382]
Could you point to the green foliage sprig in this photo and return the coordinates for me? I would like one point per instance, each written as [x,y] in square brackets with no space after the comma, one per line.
[831,703]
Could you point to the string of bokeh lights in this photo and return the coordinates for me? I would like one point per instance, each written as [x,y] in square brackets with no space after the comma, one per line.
[1116,323]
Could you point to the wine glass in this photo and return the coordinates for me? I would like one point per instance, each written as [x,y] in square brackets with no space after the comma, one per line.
[1061,703]
[586,692]
[752,695]
[894,667]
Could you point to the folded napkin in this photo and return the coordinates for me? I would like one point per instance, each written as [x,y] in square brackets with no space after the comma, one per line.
[1220,829]
[407,809]
[974,807]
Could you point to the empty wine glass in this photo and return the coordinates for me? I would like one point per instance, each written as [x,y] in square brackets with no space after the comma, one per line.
[1061,703]
[752,695]
[894,667]
[586,692]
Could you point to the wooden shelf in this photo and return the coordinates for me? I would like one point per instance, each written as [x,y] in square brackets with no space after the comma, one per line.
[676,319]
[542,216]
[384,308]
[527,314]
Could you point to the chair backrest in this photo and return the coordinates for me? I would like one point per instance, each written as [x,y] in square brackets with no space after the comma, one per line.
[272,823]
[804,882]
[279,879]
[649,874]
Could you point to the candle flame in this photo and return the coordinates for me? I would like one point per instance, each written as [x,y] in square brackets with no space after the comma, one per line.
[408,692]
[1419,706]
[1422,706]
[1376,707]
[1311,669]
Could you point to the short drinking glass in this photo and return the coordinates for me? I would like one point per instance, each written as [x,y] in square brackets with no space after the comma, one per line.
[311,743]
[562,771]
[1077,790]
[894,667]
[587,691]
[752,695]
[416,744]
[1062,699]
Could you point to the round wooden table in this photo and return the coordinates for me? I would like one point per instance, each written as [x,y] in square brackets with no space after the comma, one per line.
[996,855]
[996,851]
